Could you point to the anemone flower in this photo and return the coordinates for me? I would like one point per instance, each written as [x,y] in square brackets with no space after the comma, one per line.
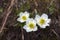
[42,20]
[23,17]
[30,25]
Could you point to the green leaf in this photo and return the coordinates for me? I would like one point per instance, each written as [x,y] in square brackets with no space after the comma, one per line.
[1,9]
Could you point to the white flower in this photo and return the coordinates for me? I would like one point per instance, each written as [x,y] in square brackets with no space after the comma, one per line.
[23,17]
[42,21]
[30,25]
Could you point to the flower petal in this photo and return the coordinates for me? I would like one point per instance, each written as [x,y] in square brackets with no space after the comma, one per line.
[48,21]
[37,17]
[47,24]
[43,26]
[45,16]
[26,13]
[35,28]
[19,19]
[21,13]
[27,29]
[30,20]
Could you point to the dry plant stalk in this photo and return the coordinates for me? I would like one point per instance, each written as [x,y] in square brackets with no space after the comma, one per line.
[7,12]
[55,33]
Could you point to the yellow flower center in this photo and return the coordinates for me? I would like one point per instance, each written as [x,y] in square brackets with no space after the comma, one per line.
[24,17]
[31,25]
[42,21]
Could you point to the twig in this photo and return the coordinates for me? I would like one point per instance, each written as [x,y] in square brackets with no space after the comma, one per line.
[22,33]
[36,4]
[55,33]
[7,12]
[16,4]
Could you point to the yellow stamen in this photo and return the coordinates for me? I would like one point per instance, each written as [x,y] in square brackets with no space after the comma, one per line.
[42,21]
[24,17]
[31,25]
